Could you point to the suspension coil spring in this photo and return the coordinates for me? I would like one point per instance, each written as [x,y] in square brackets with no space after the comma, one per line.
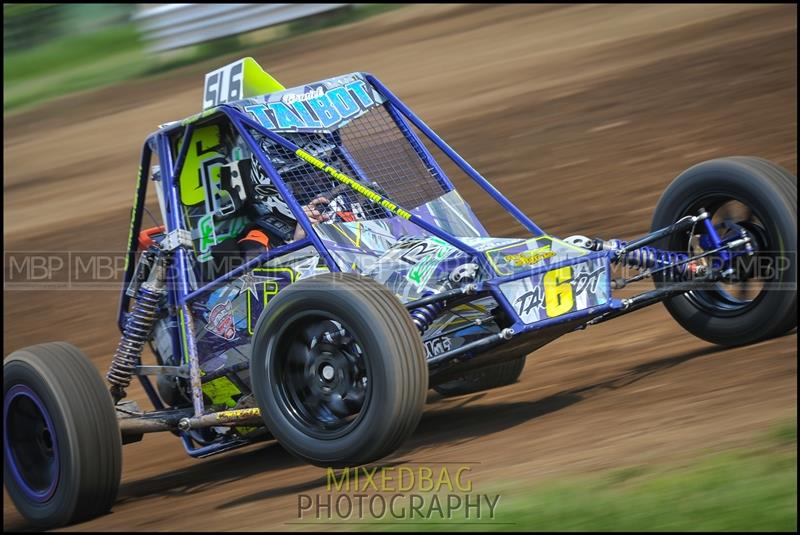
[135,335]
[424,316]
[652,258]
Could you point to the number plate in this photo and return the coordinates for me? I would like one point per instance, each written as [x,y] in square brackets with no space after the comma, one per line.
[224,85]
[559,291]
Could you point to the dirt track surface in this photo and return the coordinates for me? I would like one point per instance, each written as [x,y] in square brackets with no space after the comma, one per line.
[581,114]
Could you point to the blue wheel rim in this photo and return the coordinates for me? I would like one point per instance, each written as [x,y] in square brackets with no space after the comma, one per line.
[30,444]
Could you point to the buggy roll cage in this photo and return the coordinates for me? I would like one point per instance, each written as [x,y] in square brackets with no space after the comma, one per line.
[180,294]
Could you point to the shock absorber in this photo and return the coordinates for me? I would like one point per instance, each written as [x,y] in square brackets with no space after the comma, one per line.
[137,331]
[424,316]
[651,258]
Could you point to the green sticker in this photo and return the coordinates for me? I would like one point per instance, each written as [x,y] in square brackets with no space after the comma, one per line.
[221,391]
[423,270]
[209,236]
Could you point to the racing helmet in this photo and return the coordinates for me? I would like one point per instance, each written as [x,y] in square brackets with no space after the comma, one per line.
[303,180]
[266,196]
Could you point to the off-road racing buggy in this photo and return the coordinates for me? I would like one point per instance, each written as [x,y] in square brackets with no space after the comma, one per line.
[329,339]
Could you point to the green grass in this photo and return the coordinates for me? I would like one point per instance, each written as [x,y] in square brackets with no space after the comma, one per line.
[71,64]
[731,492]
[785,434]
[71,52]
[114,54]
[741,490]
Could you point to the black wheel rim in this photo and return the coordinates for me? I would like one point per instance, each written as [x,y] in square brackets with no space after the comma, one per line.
[320,376]
[729,215]
[30,444]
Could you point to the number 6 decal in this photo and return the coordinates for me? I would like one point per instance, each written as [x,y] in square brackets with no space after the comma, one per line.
[558,296]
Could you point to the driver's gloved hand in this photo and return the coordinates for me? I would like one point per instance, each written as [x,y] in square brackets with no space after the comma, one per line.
[315,210]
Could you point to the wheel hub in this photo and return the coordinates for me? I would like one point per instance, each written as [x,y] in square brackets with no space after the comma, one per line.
[743,285]
[328,372]
[324,377]
[30,443]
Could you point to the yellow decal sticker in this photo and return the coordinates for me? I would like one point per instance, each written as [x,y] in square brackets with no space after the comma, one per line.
[200,173]
[269,289]
[221,390]
[131,245]
[529,258]
[558,297]
[357,186]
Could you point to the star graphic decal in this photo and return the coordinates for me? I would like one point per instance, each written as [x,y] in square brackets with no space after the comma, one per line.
[250,281]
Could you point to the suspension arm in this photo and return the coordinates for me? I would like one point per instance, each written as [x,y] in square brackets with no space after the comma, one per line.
[637,254]
[651,297]
[480,344]
[681,224]
[469,289]
[183,420]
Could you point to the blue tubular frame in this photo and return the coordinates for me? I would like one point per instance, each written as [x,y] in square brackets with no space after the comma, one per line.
[453,155]
[399,112]
[261,259]
[179,270]
[294,206]
[209,449]
[241,120]
[130,256]
[181,294]
[133,234]
[420,148]
[186,136]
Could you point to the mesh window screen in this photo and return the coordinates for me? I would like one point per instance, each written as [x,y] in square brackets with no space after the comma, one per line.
[371,149]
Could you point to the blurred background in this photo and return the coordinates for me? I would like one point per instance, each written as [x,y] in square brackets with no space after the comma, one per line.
[54,49]
[581,114]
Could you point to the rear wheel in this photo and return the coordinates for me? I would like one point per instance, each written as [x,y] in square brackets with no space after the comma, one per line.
[338,370]
[741,194]
[493,376]
[61,441]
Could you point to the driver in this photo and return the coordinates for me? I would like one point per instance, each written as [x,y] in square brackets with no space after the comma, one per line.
[261,234]
[271,221]
[256,239]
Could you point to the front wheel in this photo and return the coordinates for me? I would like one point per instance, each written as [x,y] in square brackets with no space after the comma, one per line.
[338,369]
[742,195]
[62,448]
